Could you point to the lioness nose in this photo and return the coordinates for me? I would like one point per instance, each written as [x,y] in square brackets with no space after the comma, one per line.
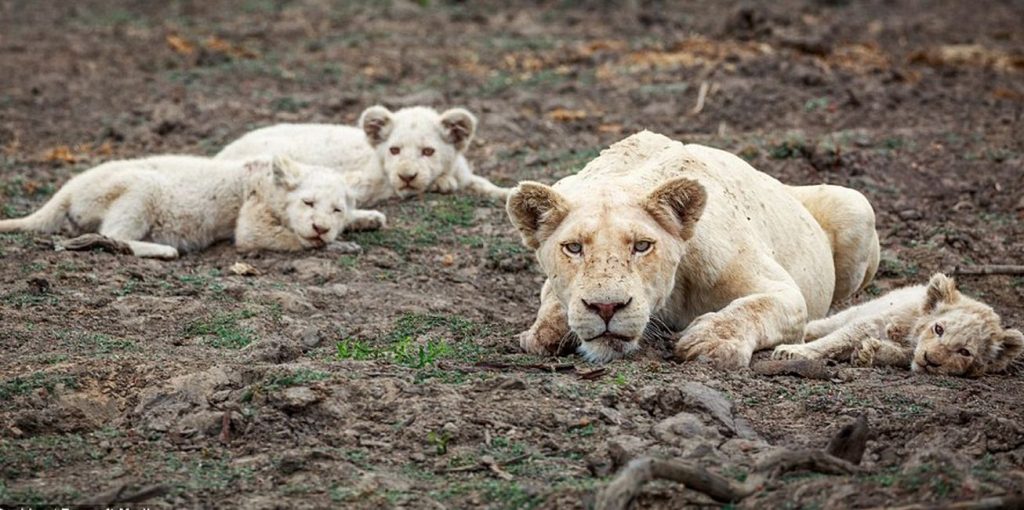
[407,178]
[606,310]
[320,230]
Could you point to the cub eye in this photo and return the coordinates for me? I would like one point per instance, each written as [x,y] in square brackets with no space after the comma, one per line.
[642,246]
[428,151]
[310,203]
[964,352]
[396,150]
[573,248]
[337,209]
[938,329]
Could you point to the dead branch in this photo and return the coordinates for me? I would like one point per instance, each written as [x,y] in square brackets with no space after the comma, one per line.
[1010,502]
[488,366]
[702,95]
[991,269]
[806,368]
[94,241]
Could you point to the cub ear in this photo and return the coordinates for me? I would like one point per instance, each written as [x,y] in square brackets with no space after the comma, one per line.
[286,172]
[458,127]
[941,289]
[535,210]
[677,205]
[376,122]
[1010,345]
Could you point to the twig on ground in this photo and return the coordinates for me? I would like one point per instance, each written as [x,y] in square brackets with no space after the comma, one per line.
[489,366]
[991,269]
[702,95]
[94,241]
[591,375]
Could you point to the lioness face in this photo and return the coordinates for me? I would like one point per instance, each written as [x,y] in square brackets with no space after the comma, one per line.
[416,145]
[316,202]
[611,259]
[960,336]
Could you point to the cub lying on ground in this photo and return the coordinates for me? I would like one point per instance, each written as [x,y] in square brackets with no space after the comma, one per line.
[692,241]
[402,154]
[161,205]
[930,328]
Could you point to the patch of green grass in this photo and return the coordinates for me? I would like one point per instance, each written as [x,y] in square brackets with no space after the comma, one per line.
[95,343]
[439,440]
[288,104]
[27,299]
[296,378]
[347,261]
[24,384]
[818,103]
[223,330]
[404,344]
[889,267]
[205,474]
[792,147]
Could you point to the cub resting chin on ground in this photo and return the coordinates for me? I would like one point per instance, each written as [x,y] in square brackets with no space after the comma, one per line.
[161,205]
[404,153]
[657,236]
[930,328]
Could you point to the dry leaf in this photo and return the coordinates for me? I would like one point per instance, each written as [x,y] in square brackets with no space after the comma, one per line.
[243,269]
[218,45]
[60,154]
[180,45]
[612,129]
[448,260]
[564,115]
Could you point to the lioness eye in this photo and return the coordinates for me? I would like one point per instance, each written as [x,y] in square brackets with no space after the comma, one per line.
[396,150]
[309,202]
[428,151]
[964,352]
[337,209]
[938,329]
[642,246]
[573,248]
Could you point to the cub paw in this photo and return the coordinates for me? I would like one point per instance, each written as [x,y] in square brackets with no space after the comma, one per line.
[368,220]
[793,351]
[864,354]
[445,184]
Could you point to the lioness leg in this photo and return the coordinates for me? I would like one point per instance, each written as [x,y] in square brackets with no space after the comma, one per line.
[366,219]
[837,344]
[549,333]
[125,221]
[849,221]
[772,314]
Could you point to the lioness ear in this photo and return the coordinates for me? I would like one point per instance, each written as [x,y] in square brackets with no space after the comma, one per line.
[677,205]
[536,210]
[286,172]
[1011,343]
[376,122]
[458,127]
[941,289]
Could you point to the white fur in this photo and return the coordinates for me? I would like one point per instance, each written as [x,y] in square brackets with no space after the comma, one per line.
[363,153]
[165,204]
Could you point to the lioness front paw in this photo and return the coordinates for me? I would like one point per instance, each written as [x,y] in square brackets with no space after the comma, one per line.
[445,184]
[864,354]
[547,341]
[793,351]
[723,353]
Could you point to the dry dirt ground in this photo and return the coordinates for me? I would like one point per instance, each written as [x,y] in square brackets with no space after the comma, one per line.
[392,378]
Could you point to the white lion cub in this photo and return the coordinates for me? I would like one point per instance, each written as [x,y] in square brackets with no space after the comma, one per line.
[161,205]
[389,154]
[930,328]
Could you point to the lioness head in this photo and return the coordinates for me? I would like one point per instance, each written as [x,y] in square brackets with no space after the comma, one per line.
[611,258]
[312,201]
[960,336]
[416,145]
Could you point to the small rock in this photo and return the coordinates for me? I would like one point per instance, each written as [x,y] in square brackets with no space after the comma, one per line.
[311,337]
[610,416]
[297,398]
[243,269]
[313,269]
[909,214]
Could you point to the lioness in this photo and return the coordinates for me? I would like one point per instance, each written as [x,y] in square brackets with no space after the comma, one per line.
[389,154]
[163,204]
[688,239]
[930,328]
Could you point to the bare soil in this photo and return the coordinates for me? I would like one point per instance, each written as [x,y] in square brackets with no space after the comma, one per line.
[393,378]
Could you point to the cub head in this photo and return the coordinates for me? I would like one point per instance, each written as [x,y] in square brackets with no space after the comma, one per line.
[611,258]
[957,335]
[311,201]
[416,145]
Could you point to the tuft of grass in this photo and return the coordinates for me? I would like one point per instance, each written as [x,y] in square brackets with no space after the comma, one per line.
[296,378]
[403,345]
[223,330]
[24,384]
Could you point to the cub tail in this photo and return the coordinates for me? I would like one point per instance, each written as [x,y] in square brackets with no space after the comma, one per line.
[48,219]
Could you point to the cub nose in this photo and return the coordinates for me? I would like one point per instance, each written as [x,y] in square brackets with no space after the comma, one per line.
[929,362]
[407,178]
[320,230]
[606,310]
